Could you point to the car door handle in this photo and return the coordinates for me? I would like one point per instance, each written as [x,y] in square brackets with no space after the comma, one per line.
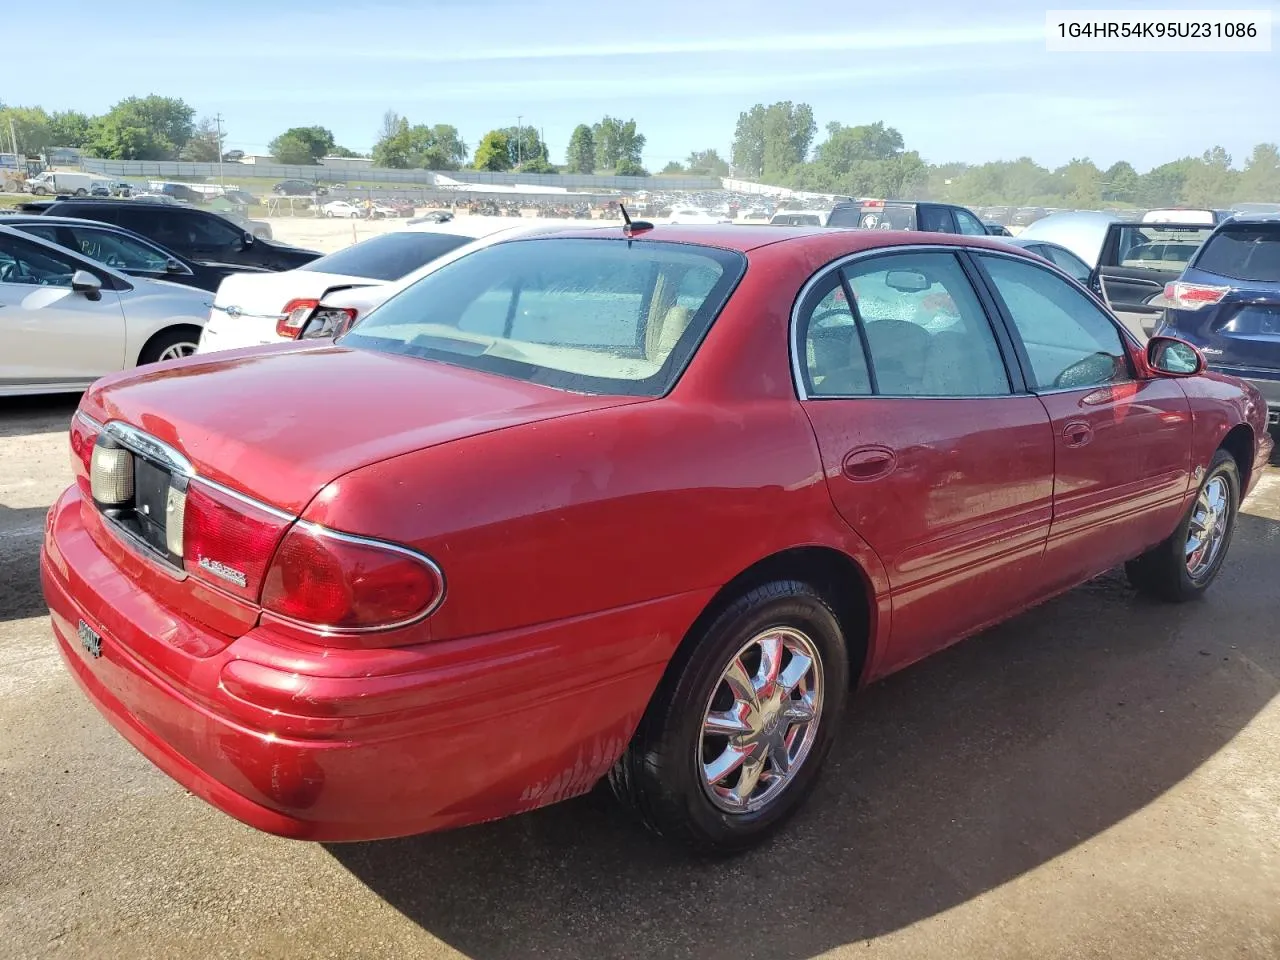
[869,463]
[1077,433]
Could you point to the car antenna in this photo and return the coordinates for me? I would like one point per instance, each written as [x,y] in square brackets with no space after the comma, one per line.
[631,228]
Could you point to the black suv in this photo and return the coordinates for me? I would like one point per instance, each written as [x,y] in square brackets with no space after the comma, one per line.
[200,235]
[124,250]
[298,188]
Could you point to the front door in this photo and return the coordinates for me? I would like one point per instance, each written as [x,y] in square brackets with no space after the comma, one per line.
[1122,445]
[49,334]
[930,454]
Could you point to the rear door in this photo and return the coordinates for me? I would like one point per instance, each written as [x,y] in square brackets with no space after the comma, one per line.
[933,452]
[1122,445]
[1137,260]
[49,333]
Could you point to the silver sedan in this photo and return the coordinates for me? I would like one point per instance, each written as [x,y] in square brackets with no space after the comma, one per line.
[66,320]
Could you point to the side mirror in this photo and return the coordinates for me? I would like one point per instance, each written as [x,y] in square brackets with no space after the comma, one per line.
[245,241]
[1172,357]
[173,266]
[82,281]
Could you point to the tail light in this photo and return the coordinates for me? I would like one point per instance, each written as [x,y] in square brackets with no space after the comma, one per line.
[331,581]
[1193,296]
[84,432]
[293,316]
[226,540]
[328,322]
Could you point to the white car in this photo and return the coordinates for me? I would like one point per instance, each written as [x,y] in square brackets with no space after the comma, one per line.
[254,309]
[66,320]
[695,215]
[341,208]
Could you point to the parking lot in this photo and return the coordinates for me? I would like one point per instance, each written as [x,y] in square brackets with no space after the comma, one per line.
[1096,778]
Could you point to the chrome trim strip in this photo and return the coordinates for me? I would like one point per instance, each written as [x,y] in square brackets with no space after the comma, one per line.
[316,530]
[85,418]
[149,447]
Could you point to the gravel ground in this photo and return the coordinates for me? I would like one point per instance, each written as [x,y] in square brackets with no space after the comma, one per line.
[1097,778]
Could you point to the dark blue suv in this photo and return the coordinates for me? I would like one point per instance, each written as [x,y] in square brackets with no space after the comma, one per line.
[1227,302]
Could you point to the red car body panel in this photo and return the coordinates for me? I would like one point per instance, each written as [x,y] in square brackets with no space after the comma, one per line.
[581,537]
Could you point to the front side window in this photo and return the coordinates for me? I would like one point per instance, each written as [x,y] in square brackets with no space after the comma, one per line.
[969,224]
[936,220]
[1067,260]
[1070,342]
[598,316]
[31,264]
[926,329]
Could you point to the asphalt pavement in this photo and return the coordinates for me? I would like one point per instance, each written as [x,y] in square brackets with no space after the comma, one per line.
[1096,778]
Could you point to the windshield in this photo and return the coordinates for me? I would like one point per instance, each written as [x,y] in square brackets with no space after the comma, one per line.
[1243,252]
[388,257]
[593,315]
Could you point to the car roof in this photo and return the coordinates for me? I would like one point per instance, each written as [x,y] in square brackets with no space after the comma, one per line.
[744,238]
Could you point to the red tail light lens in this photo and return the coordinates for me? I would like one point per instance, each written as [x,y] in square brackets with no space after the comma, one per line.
[228,541]
[332,581]
[295,314]
[84,432]
[1193,296]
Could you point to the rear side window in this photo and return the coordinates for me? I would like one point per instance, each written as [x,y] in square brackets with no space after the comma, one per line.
[927,332]
[389,256]
[1156,246]
[596,316]
[1243,252]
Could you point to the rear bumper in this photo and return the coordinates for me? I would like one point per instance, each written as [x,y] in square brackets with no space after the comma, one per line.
[328,744]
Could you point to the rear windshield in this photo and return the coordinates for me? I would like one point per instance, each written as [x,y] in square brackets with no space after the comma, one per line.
[389,256]
[595,316]
[1243,252]
[1158,246]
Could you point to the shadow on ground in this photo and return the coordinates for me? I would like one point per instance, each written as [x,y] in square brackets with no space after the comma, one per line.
[21,532]
[950,779]
[24,416]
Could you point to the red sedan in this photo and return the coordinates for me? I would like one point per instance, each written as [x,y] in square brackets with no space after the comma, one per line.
[642,506]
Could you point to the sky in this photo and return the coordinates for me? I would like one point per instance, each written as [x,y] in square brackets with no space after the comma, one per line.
[961,79]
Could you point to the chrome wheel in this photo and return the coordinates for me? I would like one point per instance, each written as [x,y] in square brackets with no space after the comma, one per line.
[1208,529]
[176,351]
[761,720]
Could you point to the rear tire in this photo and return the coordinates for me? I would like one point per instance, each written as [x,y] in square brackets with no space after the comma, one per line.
[82,192]
[697,724]
[1183,566]
[170,345]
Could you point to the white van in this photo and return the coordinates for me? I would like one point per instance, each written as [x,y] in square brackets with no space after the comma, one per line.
[62,182]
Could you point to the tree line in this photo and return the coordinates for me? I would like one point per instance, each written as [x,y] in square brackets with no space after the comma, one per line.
[773,144]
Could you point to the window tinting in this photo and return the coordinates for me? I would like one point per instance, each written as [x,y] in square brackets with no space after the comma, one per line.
[834,362]
[1243,252]
[1069,340]
[927,331]
[969,224]
[599,316]
[389,256]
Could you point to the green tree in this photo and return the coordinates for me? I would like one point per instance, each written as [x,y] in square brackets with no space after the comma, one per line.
[30,127]
[494,152]
[748,143]
[707,163]
[142,128]
[526,147]
[617,142]
[1210,181]
[1162,186]
[1259,182]
[418,147]
[630,168]
[538,165]
[341,151]
[69,128]
[581,156]
[302,145]
[1082,184]
[769,141]
[1120,182]
[673,166]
